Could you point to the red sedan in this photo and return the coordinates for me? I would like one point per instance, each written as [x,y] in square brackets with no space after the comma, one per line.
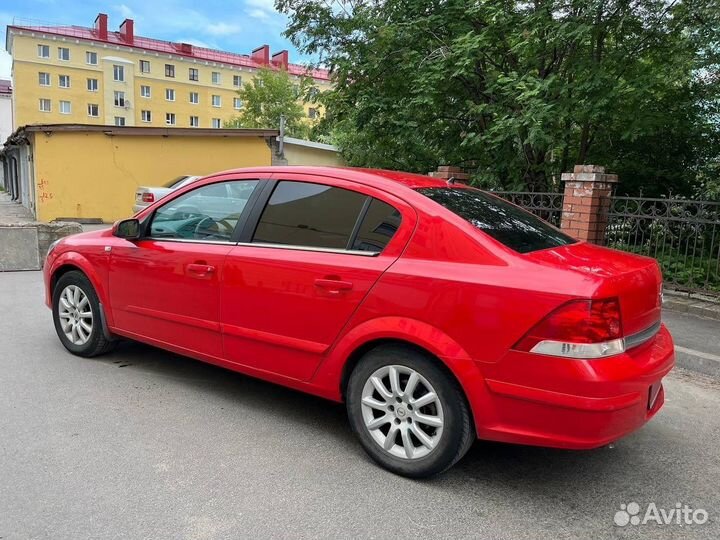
[437,312]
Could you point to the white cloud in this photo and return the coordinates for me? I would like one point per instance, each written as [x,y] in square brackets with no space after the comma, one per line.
[264,5]
[258,14]
[221,28]
[125,11]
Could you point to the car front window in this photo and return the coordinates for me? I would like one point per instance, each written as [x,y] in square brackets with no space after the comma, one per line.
[207,213]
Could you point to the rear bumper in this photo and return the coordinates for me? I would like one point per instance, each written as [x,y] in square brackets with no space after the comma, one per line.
[138,207]
[575,404]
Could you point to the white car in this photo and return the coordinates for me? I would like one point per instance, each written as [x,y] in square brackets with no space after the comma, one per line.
[145,196]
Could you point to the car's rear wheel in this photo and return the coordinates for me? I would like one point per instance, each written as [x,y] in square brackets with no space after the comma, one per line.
[409,413]
[76,313]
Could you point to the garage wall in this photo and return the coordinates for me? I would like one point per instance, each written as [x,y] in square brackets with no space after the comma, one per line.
[94,175]
[303,155]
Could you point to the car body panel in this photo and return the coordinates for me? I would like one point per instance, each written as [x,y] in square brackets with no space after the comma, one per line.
[440,285]
[260,278]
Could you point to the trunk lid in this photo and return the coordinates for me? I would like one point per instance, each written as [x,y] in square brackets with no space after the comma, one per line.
[635,280]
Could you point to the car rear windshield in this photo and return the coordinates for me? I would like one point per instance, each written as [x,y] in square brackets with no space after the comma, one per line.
[517,229]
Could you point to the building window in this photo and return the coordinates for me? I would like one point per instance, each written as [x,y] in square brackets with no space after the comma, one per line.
[216,77]
[45,105]
[194,97]
[65,107]
[92,85]
[119,99]
[43,79]
[91,58]
[118,73]
[169,70]
[194,121]
[44,51]
[170,94]
[144,66]
[119,120]
[93,110]
[170,119]
[63,53]
[216,123]
[313,113]
[145,91]
[237,103]
[64,81]
[146,116]
[193,74]
[237,81]
[216,102]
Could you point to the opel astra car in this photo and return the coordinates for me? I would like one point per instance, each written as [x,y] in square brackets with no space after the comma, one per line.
[438,313]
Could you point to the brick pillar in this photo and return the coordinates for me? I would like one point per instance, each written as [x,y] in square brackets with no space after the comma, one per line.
[587,202]
[445,172]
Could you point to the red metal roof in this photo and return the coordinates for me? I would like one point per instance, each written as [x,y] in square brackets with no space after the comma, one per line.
[168,47]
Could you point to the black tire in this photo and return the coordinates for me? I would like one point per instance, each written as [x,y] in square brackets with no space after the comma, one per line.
[458,432]
[97,343]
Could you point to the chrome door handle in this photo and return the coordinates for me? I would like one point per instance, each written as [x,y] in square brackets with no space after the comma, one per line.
[200,270]
[333,285]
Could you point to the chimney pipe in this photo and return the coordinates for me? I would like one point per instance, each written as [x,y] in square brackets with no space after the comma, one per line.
[261,55]
[280,60]
[127,30]
[101,26]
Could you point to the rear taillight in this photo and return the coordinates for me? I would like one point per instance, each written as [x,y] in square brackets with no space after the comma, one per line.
[148,197]
[578,329]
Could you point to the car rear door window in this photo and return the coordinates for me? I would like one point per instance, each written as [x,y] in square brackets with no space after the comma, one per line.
[305,214]
[208,213]
[378,226]
[512,226]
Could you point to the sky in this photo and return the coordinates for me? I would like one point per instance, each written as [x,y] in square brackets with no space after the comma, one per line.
[230,25]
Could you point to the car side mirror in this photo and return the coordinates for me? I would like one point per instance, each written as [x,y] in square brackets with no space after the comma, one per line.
[127,228]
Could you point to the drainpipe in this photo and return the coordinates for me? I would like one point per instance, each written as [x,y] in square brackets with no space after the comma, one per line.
[281,138]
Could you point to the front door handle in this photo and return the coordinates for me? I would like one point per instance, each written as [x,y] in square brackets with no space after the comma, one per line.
[200,270]
[335,286]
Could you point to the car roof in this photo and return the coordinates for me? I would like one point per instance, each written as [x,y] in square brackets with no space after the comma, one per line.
[376,177]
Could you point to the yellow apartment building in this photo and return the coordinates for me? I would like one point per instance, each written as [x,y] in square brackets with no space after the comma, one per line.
[74,74]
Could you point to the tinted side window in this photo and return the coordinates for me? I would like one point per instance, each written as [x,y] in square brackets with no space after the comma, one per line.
[313,215]
[377,228]
[505,222]
[207,213]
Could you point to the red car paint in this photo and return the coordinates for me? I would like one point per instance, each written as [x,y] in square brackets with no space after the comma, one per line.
[300,318]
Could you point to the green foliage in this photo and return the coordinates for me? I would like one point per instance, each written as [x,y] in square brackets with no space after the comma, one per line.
[271,94]
[520,91]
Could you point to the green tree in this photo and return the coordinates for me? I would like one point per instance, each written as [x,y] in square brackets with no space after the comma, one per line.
[520,91]
[270,95]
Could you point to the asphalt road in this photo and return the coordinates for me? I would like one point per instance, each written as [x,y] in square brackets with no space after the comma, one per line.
[146,444]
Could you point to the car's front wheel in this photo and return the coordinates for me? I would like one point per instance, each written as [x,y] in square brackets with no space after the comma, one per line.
[408,412]
[76,313]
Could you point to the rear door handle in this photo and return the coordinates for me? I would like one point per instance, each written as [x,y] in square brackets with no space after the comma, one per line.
[200,270]
[333,285]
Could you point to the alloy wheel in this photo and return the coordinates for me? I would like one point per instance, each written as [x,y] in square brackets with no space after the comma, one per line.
[75,313]
[402,412]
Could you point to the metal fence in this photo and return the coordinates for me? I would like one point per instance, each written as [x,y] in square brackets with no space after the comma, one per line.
[548,206]
[683,235]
